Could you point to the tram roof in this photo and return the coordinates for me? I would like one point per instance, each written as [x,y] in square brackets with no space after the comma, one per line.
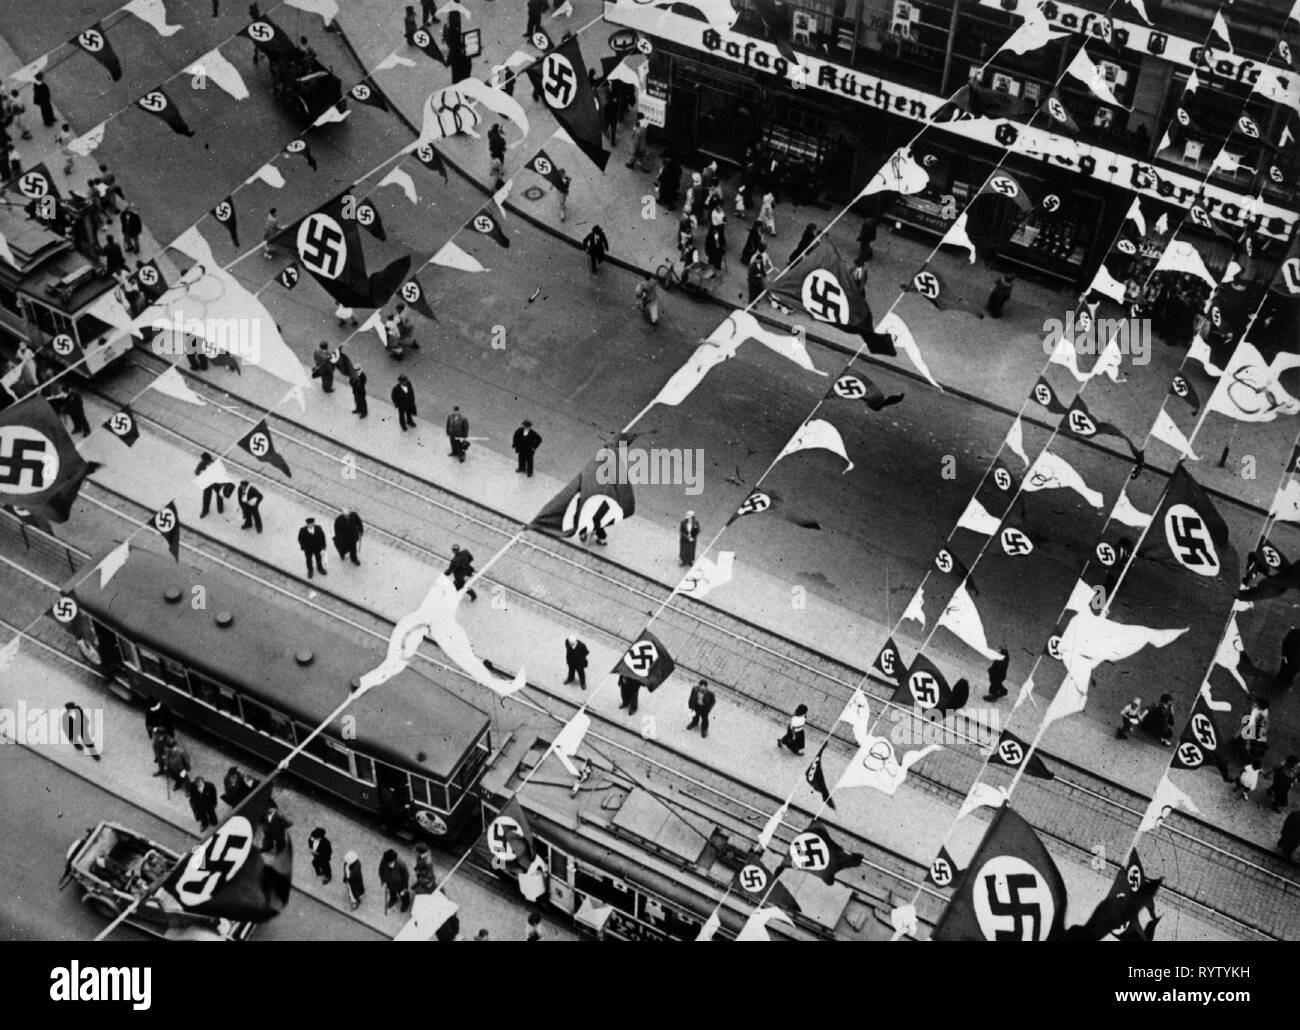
[44,258]
[409,720]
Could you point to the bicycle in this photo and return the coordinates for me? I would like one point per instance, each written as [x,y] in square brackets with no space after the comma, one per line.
[669,278]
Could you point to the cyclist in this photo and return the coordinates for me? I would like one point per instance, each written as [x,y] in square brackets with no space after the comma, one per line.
[694,271]
[647,299]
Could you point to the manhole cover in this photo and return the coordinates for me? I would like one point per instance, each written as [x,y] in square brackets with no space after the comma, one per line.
[534,193]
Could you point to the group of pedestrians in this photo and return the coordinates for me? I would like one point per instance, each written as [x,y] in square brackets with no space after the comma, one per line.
[393,873]
[348,531]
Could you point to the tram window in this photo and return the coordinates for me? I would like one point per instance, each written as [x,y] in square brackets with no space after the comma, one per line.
[559,863]
[271,723]
[365,768]
[214,694]
[174,674]
[150,664]
[607,889]
[328,750]
[129,655]
[419,790]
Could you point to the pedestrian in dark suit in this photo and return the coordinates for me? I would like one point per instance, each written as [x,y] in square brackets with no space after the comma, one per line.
[162,740]
[1284,777]
[998,675]
[131,228]
[575,659]
[1286,672]
[77,729]
[250,505]
[42,99]
[323,367]
[458,433]
[114,259]
[311,541]
[275,830]
[627,691]
[461,569]
[404,401]
[687,533]
[353,879]
[157,718]
[1290,839]
[396,878]
[700,703]
[358,383]
[597,246]
[794,738]
[177,762]
[526,441]
[536,8]
[429,12]
[236,786]
[348,530]
[203,802]
[67,401]
[409,25]
[212,491]
[322,851]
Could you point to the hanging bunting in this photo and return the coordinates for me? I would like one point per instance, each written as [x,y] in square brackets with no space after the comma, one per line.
[488,224]
[167,524]
[214,67]
[123,425]
[930,285]
[153,14]
[561,79]
[369,94]
[1013,752]
[257,442]
[92,41]
[769,500]
[817,434]
[403,181]
[157,103]
[43,470]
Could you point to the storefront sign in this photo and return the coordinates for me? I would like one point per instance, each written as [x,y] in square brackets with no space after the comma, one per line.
[883,95]
[655,109]
[1278,83]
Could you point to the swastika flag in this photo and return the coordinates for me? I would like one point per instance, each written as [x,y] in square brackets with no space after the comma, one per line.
[237,873]
[488,224]
[931,285]
[1011,891]
[40,468]
[299,148]
[821,286]
[1201,743]
[123,425]
[889,662]
[1279,574]
[816,777]
[647,661]
[544,165]
[561,79]
[770,500]
[167,524]
[756,885]
[368,215]
[1119,912]
[925,687]
[816,852]
[943,871]
[599,496]
[93,42]
[157,103]
[257,442]
[413,293]
[1188,530]
[224,212]
[1013,752]
[423,40]
[510,838]
[270,39]
[368,93]
[855,386]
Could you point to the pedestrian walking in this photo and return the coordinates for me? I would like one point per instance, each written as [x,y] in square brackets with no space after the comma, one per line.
[1253,735]
[176,760]
[647,299]
[866,237]
[767,213]
[61,140]
[348,531]
[77,729]
[409,26]
[756,274]
[158,719]
[1286,672]
[1284,776]
[41,98]
[715,247]
[405,327]
[396,879]
[270,231]
[461,569]
[135,302]
[275,829]
[322,854]
[536,8]
[357,381]
[628,688]
[609,114]
[213,490]
[249,498]
[639,153]
[236,786]
[575,661]
[668,182]
[1000,295]
[794,729]
[805,242]
[497,173]
[353,881]
[162,742]
[323,367]
[1290,838]
[687,533]
[596,246]
[496,141]
[533,927]
[203,802]
[525,443]
[562,183]
[700,703]
[14,112]
[429,12]
[1158,720]
[67,401]
[311,541]
[426,876]
[110,192]
[1247,780]
[404,401]
[998,675]
[114,259]
[458,433]
[1130,717]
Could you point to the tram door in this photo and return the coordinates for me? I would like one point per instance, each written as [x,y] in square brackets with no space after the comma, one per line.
[394,794]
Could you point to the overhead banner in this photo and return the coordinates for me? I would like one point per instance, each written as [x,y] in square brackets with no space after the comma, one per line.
[1142,177]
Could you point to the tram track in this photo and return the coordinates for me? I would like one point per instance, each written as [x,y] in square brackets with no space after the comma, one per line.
[756,666]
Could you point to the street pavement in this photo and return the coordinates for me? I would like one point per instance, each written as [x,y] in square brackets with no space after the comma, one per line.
[581,364]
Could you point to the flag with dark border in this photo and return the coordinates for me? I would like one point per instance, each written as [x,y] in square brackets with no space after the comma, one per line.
[289,276]
[820,284]
[815,851]
[150,279]
[1180,387]
[771,501]
[1080,422]
[427,154]
[415,295]
[37,185]
[647,661]
[122,424]
[925,687]
[368,216]
[1279,574]
[299,148]
[370,94]
[1013,752]
[543,165]
[756,885]
[257,442]
[854,386]
[167,524]
[599,496]
[486,223]
[224,212]
[932,286]
[1119,912]
[560,77]
[889,662]
[157,103]
[41,470]
[1201,744]
[1005,186]
[1043,393]
[943,871]
[423,40]
[270,39]
[92,41]
[1187,529]
[509,837]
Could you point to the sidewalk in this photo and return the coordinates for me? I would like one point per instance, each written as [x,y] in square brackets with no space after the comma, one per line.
[911,822]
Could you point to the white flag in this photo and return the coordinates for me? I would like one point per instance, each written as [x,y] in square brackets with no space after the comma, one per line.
[394,61]
[962,618]
[817,434]
[7,255]
[452,5]
[27,73]
[1141,8]
[983,795]
[532,881]
[894,325]
[1109,361]
[428,913]
[773,824]
[755,928]
[1229,652]
[1166,432]
[876,766]
[1093,77]
[1249,391]
[330,116]
[153,14]
[451,256]
[401,179]
[916,607]
[1016,441]
[569,740]
[1135,213]
[214,474]
[1210,701]
[1088,641]
[327,9]
[1181,256]
[1053,473]
[957,236]
[87,143]
[376,322]
[112,562]
[904,921]
[173,385]
[706,575]
[1034,33]
[857,713]
[711,926]
[1125,512]
[497,101]
[1026,693]
[977,519]
[268,174]
[1167,798]
[1063,353]
[1230,163]
[1200,351]
[1220,28]
[439,609]
[214,67]
[1286,503]
[1105,283]
[899,174]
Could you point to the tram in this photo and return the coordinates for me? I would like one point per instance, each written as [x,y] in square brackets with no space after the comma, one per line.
[260,671]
